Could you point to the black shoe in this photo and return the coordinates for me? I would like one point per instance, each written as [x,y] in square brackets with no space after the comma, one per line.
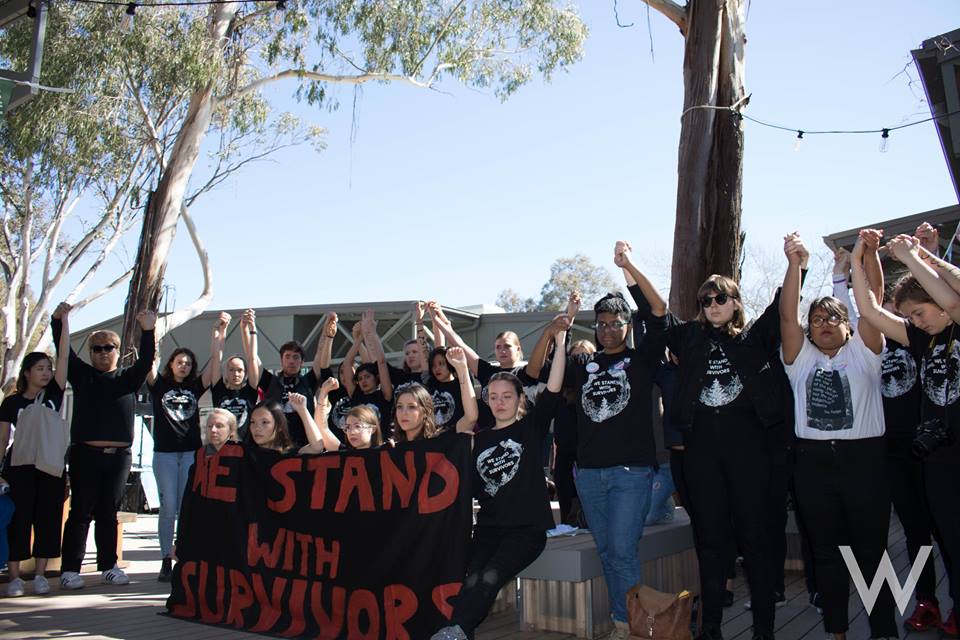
[727,598]
[816,602]
[166,570]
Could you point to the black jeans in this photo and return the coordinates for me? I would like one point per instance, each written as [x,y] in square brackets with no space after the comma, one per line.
[910,503]
[844,497]
[563,478]
[727,470]
[97,479]
[38,498]
[496,557]
[942,478]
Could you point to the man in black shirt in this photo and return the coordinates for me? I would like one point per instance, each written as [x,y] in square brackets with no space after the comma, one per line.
[101,433]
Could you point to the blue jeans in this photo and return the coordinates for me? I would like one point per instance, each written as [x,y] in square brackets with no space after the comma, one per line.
[661,497]
[615,502]
[171,469]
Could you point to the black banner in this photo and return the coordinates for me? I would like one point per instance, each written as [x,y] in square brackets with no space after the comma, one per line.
[368,544]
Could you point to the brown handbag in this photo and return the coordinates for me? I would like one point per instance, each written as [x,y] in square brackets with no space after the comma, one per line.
[656,615]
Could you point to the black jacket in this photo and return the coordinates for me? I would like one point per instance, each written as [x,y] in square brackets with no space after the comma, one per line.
[754,352]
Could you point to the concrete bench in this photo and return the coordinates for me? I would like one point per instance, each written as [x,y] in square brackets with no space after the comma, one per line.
[564,589]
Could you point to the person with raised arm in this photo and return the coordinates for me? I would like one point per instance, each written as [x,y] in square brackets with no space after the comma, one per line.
[233,389]
[33,467]
[514,508]
[928,305]
[841,479]
[361,427]
[101,432]
[729,392]
[276,387]
[415,365]
[175,393]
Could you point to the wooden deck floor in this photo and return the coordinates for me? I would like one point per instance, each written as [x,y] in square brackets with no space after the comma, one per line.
[101,612]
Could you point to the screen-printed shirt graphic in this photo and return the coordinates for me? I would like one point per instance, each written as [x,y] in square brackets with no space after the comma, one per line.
[605,393]
[899,372]
[939,371]
[498,465]
[722,384]
[829,403]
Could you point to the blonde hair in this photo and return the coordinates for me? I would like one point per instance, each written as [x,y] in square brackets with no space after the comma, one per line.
[228,417]
[722,284]
[99,336]
[585,345]
[366,415]
[425,401]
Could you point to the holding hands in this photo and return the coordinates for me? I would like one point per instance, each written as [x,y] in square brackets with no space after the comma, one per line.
[62,311]
[622,252]
[795,250]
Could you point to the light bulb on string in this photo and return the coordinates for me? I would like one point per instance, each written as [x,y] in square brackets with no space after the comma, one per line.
[796,145]
[884,140]
[126,23]
[31,11]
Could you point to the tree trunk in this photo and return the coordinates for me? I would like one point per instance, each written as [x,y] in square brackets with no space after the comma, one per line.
[707,229]
[166,203]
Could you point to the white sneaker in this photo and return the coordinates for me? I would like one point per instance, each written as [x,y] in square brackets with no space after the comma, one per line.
[115,576]
[40,585]
[15,588]
[71,580]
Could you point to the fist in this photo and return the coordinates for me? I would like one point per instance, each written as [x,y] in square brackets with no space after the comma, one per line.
[929,237]
[223,320]
[456,357]
[573,305]
[297,401]
[330,384]
[147,320]
[330,326]
[621,253]
[62,310]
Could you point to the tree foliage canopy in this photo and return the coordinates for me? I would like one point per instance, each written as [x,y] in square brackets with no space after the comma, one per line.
[577,273]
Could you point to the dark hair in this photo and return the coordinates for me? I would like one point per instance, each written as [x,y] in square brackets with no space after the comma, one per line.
[506,376]
[281,436]
[613,303]
[832,307]
[29,361]
[168,368]
[369,367]
[440,352]
[722,284]
[292,345]
[908,288]
[425,400]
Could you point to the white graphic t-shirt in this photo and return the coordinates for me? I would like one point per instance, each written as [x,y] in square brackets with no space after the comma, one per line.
[837,398]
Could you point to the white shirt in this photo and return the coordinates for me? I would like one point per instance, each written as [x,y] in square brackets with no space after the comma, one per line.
[837,398]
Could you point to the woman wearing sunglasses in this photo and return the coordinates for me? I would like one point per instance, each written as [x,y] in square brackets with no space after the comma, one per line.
[841,475]
[729,389]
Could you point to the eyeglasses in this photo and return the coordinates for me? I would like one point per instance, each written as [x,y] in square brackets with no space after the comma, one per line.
[360,426]
[101,348]
[610,326]
[707,301]
[833,321]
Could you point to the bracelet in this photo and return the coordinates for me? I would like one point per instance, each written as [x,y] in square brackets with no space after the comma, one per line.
[253,333]
[839,279]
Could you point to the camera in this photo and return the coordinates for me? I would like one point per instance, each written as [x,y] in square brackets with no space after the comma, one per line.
[931,435]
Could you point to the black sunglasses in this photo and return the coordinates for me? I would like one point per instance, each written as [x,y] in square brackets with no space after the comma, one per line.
[100,348]
[707,301]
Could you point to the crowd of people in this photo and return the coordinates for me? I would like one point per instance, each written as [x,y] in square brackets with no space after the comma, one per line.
[842,413]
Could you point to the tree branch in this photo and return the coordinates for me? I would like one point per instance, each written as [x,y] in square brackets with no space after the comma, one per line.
[675,13]
[172,321]
[323,77]
[102,292]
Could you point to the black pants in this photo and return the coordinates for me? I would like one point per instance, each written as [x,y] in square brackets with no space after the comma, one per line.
[777,510]
[96,489]
[563,478]
[910,503]
[38,501]
[806,549]
[842,487]
[942,479]
[727,471]
[496,557]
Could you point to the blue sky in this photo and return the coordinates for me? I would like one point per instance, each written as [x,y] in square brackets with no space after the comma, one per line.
[457,196]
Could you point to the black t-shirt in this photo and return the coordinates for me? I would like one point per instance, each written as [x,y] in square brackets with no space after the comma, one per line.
[400,376]
[447,402]
[939,358]
[614,409]
[176,414]
[240,402]
[508,475]
[11,406]
[901,393]
[722,388]
[277,388]
[485,371]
